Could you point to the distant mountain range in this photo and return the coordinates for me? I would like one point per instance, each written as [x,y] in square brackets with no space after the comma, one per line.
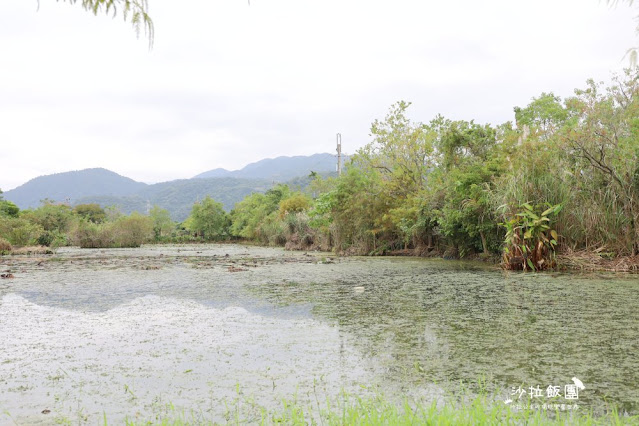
[108,188]
[279,169]
[178,196]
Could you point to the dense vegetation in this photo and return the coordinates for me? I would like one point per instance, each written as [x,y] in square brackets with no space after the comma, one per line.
[563,177]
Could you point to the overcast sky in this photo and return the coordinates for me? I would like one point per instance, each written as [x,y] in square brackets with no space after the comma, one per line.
[228,83]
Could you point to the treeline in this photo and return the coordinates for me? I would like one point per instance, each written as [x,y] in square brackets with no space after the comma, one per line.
[564,176]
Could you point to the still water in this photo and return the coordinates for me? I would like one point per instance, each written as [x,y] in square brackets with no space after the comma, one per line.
[213,329]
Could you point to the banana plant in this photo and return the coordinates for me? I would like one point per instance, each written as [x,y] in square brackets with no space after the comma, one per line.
[530,242]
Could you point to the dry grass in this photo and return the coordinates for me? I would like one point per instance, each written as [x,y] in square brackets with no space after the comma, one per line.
[29,250]
[597,260]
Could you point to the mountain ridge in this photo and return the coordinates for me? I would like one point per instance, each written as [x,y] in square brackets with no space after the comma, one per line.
[105,187]
[278,169]
[71,185]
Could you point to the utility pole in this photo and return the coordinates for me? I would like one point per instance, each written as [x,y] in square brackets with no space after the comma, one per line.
[339,154]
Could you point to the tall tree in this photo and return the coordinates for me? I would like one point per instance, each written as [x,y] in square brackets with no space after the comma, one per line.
[162,223]
[209,220]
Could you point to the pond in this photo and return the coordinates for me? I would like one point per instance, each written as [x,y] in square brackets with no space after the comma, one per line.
[207,329]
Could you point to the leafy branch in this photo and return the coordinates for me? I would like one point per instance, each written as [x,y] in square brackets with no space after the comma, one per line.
[135,11]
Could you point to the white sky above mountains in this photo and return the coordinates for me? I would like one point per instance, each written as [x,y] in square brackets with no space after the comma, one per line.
[227,84]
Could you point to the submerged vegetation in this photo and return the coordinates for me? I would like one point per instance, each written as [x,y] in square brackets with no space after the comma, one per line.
[562,179]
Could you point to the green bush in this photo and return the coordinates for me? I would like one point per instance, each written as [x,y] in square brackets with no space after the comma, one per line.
[131,231]
[209,221]
[91,212]
[5,246]
[53,239]
[91,235]
[19,232]
[127,231]
[7,208]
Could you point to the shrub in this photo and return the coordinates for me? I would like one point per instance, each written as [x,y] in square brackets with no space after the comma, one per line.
[5,246]
[91,212]
[53,239]
[91,235]
[18,231]
[294,204]
[131,231]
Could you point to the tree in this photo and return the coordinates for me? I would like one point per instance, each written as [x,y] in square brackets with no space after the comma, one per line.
[51,217]
[136,11]
[402,151]
[91,212]
[7,208]
[162,223]
[543,116]
[296,203]
[209,220]
[397,163]
[251,215]
[605,137]
[468,166]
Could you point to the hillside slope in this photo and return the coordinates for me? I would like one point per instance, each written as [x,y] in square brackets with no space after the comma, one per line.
[72,186]
[279,169]
[178,196]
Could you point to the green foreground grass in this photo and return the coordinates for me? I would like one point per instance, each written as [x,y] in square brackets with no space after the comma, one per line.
[380,411]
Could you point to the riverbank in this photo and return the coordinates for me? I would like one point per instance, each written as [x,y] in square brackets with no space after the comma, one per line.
[568,260]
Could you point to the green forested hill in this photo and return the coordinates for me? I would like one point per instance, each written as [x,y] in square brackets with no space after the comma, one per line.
[280,169]
[178,196]
[110,189]
[72,186]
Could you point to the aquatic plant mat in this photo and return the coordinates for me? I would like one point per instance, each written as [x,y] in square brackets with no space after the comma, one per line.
[229,333]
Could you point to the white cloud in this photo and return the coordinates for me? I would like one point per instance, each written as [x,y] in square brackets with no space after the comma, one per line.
[228,83]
